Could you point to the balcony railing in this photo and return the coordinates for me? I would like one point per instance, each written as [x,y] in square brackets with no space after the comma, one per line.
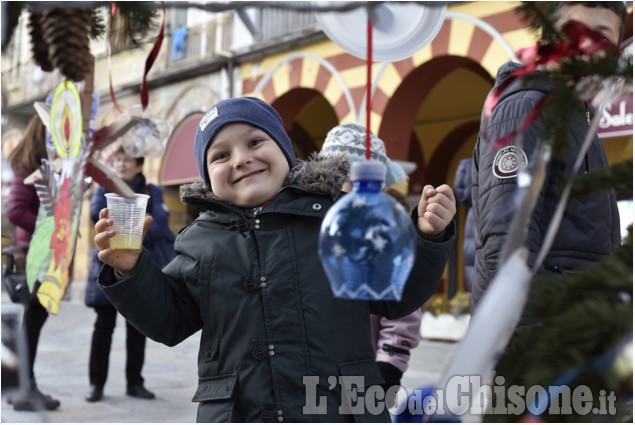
[278,22]
[196,44]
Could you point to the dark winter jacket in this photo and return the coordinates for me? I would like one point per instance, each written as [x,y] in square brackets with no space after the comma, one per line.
[22,208]
[274,339]
[463,194]
[590,228]
[159,240]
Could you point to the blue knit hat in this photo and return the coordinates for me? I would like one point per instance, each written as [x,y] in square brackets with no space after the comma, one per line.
[248,110]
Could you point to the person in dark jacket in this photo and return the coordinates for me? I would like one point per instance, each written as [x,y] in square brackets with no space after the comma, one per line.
[589,229]
[276,346]
[22,210]
[159,241]
[463,193]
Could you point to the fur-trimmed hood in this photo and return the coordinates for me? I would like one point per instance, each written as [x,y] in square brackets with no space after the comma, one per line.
[320,174]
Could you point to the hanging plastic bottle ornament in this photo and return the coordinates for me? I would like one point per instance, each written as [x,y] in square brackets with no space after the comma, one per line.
[367,241]
[147,137]
[133,141]
[155,144]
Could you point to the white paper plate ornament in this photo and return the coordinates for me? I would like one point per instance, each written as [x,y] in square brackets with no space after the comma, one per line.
[399,29]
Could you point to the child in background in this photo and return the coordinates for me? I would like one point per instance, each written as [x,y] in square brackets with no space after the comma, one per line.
[276,346]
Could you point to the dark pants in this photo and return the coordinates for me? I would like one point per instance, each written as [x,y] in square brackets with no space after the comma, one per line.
[100,348]
[34,317]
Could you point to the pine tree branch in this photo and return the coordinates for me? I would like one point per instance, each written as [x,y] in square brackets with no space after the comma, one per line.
[619,176]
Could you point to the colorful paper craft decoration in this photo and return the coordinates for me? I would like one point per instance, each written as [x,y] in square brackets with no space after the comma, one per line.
[60,184]
[53,243]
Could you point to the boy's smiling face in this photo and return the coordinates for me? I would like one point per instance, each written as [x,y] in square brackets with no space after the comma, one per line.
[246,167]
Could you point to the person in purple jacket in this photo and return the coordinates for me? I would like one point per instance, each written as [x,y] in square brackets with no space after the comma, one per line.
[22,210]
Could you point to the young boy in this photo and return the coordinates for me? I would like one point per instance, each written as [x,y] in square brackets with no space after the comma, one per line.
[276,346]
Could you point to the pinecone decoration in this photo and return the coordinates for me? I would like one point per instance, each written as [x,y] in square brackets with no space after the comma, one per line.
[39,48]
[66,31]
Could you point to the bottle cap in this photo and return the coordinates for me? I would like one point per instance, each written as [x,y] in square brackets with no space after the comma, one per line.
[368,170]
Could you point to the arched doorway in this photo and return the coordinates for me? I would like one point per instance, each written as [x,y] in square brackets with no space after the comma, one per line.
[307,117]
[433,101]
[178,167]
[433,120]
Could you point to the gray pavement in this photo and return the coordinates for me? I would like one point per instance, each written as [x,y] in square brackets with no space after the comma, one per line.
[61,369]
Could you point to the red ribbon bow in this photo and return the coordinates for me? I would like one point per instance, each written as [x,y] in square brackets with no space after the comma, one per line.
[581,39]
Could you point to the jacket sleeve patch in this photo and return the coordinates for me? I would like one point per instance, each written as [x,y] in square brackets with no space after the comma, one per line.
[508,161]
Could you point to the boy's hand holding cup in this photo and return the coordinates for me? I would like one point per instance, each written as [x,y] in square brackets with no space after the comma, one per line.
[120,231]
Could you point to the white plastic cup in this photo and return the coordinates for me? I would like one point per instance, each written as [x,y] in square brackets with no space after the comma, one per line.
[128,215]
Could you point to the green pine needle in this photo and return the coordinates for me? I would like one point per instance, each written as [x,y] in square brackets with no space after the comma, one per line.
[619,176]
[583,315]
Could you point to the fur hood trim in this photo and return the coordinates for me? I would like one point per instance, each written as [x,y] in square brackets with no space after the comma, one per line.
[320,174]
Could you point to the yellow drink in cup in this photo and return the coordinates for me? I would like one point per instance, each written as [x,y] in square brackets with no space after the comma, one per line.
[125,242]
[128,215]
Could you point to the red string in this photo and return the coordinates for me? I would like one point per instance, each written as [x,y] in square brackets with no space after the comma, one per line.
[149,62]
[369,63]
[113,9]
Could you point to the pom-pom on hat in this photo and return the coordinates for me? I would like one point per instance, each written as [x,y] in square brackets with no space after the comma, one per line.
[248,110]
[350,139]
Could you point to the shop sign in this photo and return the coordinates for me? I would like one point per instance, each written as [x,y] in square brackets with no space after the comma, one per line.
[616,119]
